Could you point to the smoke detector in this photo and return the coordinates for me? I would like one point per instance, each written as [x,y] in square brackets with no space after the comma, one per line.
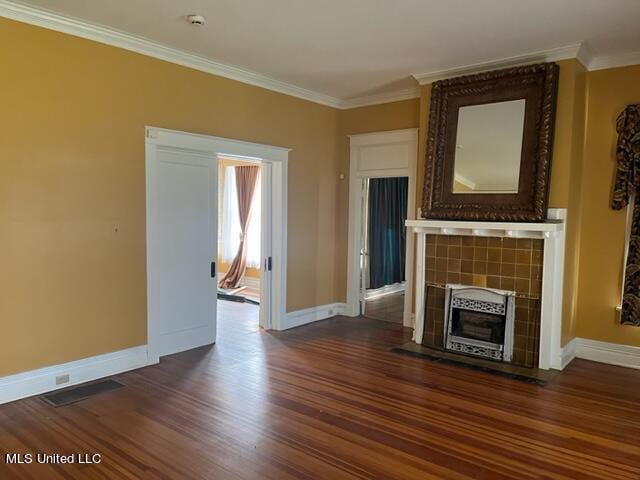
[196,20]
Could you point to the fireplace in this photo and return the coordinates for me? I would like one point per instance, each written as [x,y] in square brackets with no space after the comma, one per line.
[479,321]
[501,257]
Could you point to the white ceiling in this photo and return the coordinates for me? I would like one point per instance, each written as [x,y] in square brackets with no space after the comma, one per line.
[348,49]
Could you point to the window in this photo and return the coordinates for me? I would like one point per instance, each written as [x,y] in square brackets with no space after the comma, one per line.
[231,232]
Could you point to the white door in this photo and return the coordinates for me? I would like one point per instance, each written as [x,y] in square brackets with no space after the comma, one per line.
[266,243]
[182,248]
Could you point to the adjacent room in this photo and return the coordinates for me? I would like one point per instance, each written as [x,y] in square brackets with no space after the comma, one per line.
[320,240]
[239,241]
[384,248]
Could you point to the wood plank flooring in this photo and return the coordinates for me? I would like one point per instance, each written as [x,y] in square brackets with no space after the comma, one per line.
[329,401]
[389,308]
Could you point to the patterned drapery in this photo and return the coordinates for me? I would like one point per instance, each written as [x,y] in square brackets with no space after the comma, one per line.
[627,187]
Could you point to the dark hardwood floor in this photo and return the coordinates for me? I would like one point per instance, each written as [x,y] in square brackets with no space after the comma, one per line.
[329,401]
[389,308]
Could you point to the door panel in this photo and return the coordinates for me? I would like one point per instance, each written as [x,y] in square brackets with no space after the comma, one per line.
[182,243]
[266,246]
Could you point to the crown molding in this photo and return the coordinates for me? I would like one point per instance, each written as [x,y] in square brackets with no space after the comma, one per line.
[80,28]
[109,36]
[613,61]
[584,55]
[552,55]
[387,97]
[580,52]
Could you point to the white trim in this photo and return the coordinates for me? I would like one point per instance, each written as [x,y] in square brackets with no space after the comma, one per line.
[379,98]
[486,229]
[245,281]
[580,51]
[603,352]
[81,28]
[356,175]
[614,61]
[36,382]
[567,354]
[384,291]
[277,158]
[552,231]
[313,314]
[250,282]
[45,18]
[551,55]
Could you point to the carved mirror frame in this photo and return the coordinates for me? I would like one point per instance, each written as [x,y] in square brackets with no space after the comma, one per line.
[538,85]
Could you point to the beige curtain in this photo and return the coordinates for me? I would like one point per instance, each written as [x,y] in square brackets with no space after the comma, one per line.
[246,185]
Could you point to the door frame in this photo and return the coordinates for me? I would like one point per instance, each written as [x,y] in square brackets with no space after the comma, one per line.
[276,161]
[266,234]
[387,154]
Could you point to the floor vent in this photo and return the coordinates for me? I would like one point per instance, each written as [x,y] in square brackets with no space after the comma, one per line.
[75,394]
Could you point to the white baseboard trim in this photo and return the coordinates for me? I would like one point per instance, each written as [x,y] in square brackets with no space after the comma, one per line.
[313,314]
[42,380]
[250,282]
[409,319]
[567,354]
[604,352]
[386,290]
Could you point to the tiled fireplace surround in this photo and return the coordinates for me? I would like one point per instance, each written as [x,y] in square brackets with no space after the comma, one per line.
[525,258]
[503,263]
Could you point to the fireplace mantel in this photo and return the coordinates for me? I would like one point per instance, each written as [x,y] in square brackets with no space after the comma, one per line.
[551,231]
[551,226]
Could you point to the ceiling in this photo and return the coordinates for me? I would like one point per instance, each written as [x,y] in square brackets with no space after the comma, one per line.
[346,49]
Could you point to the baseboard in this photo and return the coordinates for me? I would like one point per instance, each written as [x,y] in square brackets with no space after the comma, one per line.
[386,290]
[604,352]
[313,314]
[245,281]
[36,382]
[250,282]
[567,354]
[409,319]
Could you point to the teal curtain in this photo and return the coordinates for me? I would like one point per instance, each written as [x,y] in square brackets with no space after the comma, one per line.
[386,230]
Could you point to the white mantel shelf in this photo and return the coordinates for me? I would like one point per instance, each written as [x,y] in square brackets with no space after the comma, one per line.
[551,231]
[487,229]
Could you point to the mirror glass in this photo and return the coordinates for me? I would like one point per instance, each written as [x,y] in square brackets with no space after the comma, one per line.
[489,147]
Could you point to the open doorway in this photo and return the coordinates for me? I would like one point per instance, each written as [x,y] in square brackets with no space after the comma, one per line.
[383,274]
[385,161]
[239,244]
[182,207]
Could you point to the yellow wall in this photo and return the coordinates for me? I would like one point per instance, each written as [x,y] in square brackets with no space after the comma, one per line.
[601,228]
[375,118]
[72,212]
[72,187]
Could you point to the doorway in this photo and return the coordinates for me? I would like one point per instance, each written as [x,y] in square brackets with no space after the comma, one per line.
[391,154]
[383,275]
[240,212]
[183,268]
